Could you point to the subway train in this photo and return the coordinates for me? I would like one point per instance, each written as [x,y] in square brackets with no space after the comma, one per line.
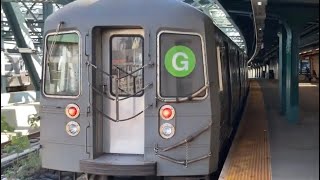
[138,88]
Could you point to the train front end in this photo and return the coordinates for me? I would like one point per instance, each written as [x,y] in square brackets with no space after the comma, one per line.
[129,92]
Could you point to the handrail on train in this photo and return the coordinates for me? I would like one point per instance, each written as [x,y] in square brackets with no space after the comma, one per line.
[117,98]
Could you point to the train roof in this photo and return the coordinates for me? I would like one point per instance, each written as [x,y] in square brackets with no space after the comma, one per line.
[86,14]
[91,13]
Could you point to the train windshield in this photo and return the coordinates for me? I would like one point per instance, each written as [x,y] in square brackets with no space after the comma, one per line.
[62,77]
[181,66]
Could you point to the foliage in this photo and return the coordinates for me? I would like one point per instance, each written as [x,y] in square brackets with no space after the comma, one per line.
[5,127]
[33,119]
[24,167]
[18,144]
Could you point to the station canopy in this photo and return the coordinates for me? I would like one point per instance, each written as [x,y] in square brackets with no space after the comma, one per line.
[212,8]
[221,19]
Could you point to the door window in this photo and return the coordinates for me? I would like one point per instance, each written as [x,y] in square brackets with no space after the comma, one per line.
[126,57]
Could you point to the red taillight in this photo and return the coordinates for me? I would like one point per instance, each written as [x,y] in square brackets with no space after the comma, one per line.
[72,111]
[167,112]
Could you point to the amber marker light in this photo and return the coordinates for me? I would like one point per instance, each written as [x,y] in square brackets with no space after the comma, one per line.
[72,111]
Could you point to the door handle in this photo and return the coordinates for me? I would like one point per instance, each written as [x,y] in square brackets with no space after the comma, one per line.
[104,89]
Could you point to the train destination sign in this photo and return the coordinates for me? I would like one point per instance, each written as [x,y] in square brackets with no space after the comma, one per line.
[180,61]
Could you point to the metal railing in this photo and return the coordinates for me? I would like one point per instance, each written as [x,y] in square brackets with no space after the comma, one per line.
[117,98]
[185,142]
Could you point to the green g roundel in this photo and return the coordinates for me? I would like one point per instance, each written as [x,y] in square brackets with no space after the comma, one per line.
[180,61]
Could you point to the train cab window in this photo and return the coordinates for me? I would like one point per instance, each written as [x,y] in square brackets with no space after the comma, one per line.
[126,58]
[62,71]
[181,66]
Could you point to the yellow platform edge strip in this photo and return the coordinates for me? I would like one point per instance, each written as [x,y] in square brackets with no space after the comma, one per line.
[249,156]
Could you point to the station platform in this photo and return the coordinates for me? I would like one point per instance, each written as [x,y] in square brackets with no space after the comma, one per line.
[266,146]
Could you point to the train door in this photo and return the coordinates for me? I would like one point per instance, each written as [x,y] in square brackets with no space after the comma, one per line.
[239,60]
[122,57]
[226,60]
[233,83]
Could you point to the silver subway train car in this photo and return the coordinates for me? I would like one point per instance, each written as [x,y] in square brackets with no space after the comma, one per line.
[138,88]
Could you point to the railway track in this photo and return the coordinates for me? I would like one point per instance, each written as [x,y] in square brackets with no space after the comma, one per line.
[7,159]
[10,159]
[33,136]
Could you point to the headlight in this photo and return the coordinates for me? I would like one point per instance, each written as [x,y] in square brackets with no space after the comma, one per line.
[167,130]
[73,128]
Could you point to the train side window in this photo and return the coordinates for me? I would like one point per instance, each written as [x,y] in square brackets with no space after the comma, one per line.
[181,66]
[219,59]
[127,57]
[62,71]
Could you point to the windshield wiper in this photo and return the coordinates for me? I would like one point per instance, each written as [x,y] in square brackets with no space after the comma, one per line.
[53,42]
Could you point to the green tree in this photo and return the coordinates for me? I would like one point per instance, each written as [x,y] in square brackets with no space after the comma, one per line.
[5,127]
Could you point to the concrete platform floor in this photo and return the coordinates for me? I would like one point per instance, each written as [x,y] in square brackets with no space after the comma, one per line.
[294,147]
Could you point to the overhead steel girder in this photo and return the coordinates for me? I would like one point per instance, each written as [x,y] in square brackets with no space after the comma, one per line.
[23,40]
[3,79]
[309,40]
[63,2]
[47,10]
[311,29]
